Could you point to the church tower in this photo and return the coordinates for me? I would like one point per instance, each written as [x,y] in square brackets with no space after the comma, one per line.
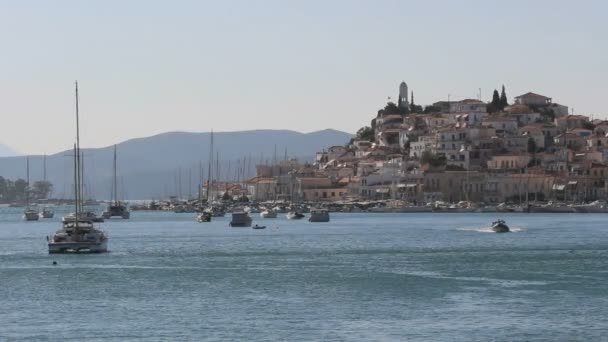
[403,101]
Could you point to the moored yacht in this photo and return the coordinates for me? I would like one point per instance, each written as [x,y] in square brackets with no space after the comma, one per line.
[116,208]
[240,218]
[78,234]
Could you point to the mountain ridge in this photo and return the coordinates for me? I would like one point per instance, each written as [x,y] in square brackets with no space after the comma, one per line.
[149,166]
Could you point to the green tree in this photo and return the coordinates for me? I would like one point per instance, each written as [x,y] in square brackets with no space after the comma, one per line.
[3,188]
[494,106]
[531,145]
[431,109]
[365,133]
[19,189]
[42,189]
[434,160]
[503,98]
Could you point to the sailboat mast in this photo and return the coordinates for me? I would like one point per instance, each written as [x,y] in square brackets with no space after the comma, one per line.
[78,170]
[27,177]
[115,179]
[75,188]
[44,168]
[210,163]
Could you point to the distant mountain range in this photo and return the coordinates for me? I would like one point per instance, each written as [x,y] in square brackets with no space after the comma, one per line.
[150,167]
[7,151]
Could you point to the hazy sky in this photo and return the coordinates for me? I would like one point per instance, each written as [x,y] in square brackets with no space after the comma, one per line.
[147,67]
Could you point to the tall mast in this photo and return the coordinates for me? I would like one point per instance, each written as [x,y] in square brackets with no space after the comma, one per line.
[27,184]
[209,168]
[78,170]
[44,168]
[114,179]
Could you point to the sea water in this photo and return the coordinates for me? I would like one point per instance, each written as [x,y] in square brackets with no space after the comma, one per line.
[360,277]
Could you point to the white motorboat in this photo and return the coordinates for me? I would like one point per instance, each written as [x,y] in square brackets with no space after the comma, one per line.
[294,215]
[319,215]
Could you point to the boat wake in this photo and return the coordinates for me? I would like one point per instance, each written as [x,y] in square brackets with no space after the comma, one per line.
[488,229]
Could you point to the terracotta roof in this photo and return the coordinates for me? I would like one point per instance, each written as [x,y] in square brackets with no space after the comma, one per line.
[531,94]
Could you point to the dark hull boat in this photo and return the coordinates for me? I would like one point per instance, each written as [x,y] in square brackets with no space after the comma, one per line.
[500,227]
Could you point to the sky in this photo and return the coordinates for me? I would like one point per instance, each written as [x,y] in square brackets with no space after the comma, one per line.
[147,67]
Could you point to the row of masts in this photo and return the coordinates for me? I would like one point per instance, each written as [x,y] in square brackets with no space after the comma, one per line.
[217,172]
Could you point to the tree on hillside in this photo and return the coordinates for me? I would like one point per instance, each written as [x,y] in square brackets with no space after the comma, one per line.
[494,106]
[434,160]
[365,133]
[431,109]
[391,108]
[503,98]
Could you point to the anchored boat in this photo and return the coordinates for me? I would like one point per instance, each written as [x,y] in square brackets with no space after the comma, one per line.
[78,234]
[319,215]
[240,219]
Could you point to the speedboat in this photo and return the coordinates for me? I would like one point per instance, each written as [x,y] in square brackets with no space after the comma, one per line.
[30,214]
[319,215]
[268,213]
[500,226]
[46,213]
[78,236]
[258,227]
[204,217]
[294,215]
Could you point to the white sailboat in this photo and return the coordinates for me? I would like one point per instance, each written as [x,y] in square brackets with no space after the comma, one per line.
[78,233]
[29,214]
[116,208]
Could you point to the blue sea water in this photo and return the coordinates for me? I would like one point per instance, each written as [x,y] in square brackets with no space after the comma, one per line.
[361,277]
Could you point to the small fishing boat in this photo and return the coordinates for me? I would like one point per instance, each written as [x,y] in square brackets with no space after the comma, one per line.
[259,227]
[319,215]
[204,217]
[500,226]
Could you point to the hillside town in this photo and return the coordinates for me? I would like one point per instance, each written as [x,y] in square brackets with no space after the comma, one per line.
[528,150]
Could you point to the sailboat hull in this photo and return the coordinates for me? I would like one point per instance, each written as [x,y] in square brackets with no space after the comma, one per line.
[78,247]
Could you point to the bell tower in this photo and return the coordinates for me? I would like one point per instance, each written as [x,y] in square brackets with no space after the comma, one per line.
[403,100]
